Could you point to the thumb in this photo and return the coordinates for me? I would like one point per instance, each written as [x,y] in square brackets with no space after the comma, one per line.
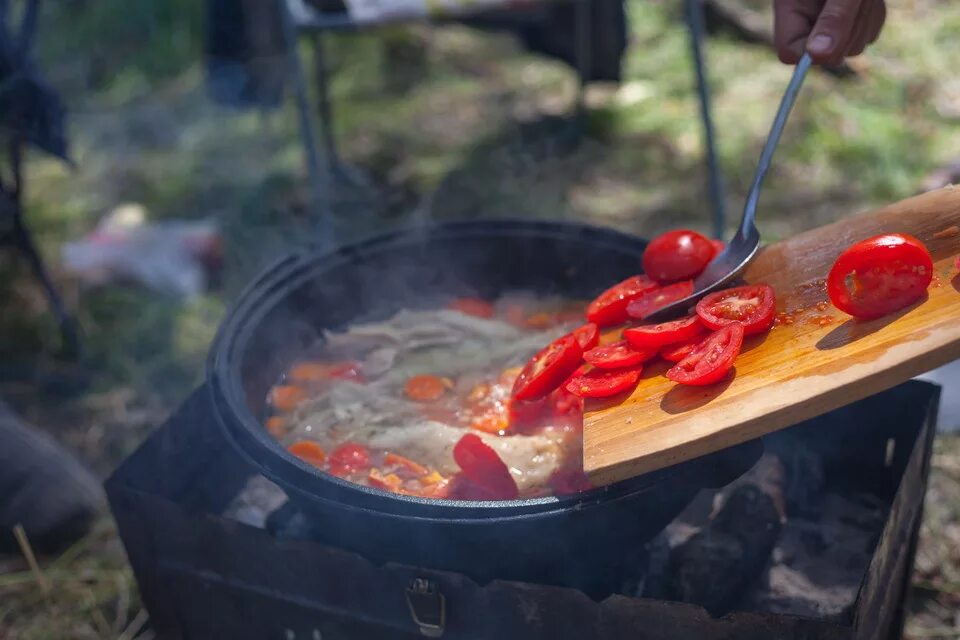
[832,32]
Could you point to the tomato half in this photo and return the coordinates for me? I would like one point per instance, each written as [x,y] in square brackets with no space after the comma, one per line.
[350,455]
[718,247]
[677,255]
[588,336]
[677,352]
[618,355]
[654,336]
[548,369]
[711,360]
[610,307]
[753,306]
[880,275]
[483,467]
[600,383]
[652,301]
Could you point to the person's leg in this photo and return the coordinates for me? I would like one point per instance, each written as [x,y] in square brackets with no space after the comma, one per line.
[42,488]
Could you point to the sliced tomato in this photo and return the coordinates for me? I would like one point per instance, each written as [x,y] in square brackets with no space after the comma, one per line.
[618,355]
[677,255]
[718,247]
[600,383]
[711,360]
[753,306]
[350,456]
[588,336]
[472,307]
[652,301]
[483,467]
[548,369]
[610,307]
[654,336]
[677,352]
[880,275]
[956,265]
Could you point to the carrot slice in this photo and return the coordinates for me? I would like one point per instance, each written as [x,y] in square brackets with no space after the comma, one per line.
[274,425]
[308,452]
[286,397]
[426,388]
[396,460]
[388,482]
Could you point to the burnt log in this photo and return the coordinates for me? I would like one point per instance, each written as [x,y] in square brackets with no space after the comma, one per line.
[716,565]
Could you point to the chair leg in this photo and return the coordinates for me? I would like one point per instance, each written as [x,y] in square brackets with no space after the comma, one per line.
[695,20]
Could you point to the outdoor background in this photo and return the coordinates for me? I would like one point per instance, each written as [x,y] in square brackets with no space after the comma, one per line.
[447,122]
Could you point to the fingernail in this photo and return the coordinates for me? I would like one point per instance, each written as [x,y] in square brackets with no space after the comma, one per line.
[820,43]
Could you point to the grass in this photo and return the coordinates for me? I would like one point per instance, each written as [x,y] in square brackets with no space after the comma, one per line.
[465,126]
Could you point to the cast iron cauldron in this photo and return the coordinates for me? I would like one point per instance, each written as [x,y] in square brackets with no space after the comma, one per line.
[580,541]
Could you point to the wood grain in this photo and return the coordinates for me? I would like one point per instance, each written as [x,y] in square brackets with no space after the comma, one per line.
[798,370]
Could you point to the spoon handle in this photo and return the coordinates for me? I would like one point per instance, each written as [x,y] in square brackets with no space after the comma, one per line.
[789,97]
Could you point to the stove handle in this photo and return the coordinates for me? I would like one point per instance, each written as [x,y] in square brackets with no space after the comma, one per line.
[428,607]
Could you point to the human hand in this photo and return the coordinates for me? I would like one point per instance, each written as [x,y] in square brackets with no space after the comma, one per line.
[829,30]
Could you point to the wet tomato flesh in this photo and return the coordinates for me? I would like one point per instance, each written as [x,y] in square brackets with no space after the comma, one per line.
[753,306]
[654,336]
[610,307]
[548,369]
[711,360]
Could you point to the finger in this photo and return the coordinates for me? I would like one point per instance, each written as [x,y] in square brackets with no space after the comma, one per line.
[832,31]
[792,22]
[879,19]
[861,30]
[873,13]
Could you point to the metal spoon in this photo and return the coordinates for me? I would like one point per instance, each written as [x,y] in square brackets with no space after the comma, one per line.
[745,244]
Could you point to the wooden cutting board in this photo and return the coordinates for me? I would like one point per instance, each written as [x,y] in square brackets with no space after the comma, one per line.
[821,361]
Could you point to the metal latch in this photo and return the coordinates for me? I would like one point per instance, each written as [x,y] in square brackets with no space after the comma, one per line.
[427,607]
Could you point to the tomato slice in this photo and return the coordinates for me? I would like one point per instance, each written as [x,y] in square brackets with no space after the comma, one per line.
[712,359]
[483,467]
[880,275]
[654,300]
[548,369]
[610,307]
[472,307]
[617,355]
[599,383]
[588,336]
[753,306]
[677,352]
[677,255]
[654,336]
[350,456]
[718,247]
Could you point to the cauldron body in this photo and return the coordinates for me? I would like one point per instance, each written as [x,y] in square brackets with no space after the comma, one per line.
[582,541]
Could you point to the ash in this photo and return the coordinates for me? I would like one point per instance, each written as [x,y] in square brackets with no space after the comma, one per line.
[255,502]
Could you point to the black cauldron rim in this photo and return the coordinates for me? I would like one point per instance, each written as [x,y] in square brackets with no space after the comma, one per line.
[246,434]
